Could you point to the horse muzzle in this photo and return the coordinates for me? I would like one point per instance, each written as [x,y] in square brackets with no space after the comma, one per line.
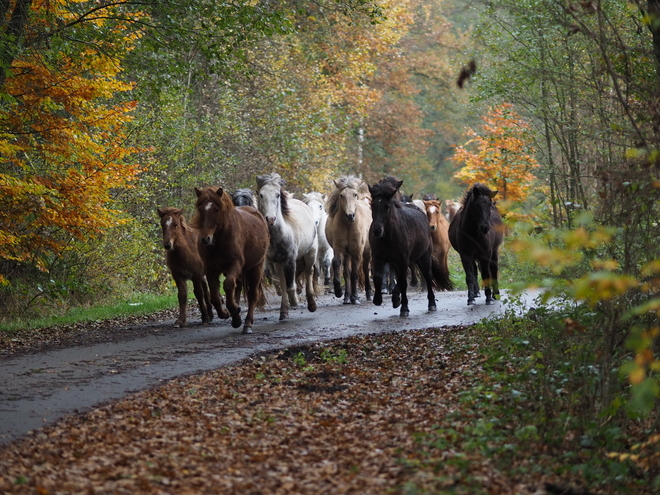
[207,240]
[168,245]
[271,221]
[379,232]
[350,217]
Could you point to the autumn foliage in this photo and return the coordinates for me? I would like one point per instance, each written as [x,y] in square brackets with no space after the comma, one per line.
[62,138]
[503,159]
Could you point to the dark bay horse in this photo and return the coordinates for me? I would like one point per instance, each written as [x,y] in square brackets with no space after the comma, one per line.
[476,232]
[184,262]
[399,235]
[233,242]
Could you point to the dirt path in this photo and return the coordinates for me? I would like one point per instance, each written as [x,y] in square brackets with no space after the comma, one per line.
[38,389]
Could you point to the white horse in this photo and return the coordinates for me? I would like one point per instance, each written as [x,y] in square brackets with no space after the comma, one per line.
[316,201]
[293,239]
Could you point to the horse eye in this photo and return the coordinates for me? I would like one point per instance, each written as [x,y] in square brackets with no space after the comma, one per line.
[278,196]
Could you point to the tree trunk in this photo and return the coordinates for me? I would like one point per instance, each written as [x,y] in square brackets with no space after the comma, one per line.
[12,36]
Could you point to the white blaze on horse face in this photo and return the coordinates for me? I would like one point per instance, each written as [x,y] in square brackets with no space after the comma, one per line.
[168,222]
[432,209]
[208,206]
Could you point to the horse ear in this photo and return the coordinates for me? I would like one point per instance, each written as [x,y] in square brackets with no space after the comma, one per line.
[219,191]
[492,194]
[160,212]
[198,192]
[399,184]
[334,181]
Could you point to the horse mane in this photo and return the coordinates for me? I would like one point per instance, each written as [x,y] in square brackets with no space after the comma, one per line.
[343,182]
[276,180]
[243,192]
[170,210]
[313,196]
[388,187]
[477,188]
[207,194]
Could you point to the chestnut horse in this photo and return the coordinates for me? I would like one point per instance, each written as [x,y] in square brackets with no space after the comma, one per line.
[233,243]
[399,235]
[347,230]
[439,232]
[184,262]
[476,232]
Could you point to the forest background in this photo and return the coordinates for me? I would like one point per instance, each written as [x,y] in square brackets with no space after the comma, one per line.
[109,110]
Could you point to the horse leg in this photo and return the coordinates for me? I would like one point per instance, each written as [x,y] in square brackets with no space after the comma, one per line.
[231,288]
[327,262]
[400,289]
[489,278]
[253,279]
[470,268]
[424,264]
[336,269]
[309,282]
[182,294]
[200,295]
[355,274]
[378,268]
[414,281]
[365,264]
[348,279]
[216,299]
[207,315]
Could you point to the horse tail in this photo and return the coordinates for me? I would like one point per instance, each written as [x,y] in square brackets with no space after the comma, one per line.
[440,273]
[261,300]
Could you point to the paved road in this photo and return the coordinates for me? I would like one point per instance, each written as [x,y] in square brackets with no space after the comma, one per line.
[37,390]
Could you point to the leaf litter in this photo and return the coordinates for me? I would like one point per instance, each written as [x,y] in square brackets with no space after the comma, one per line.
[367,414]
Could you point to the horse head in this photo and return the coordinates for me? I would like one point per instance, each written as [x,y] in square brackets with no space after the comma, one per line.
[171,221]
[433,209]
[210,203]
[243,197]
[271,199]
[384,195]
[316,203]
[481,206]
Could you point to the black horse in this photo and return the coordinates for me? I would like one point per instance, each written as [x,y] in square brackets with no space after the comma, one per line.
[399,235]
[476,232]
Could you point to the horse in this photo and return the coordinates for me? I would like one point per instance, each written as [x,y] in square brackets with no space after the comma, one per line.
[399,235]
[233,242]
[316,202]
[184,262]
[451,208]
[243,197]
[439,232]
[476,232]
[293,240]
[347,231]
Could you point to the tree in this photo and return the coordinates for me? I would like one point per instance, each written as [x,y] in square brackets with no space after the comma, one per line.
[504,158]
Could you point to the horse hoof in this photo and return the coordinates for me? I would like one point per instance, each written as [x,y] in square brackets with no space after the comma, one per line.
[471,302]
[326,281]
[284,316]
[223,315]
[246,330]
[378,299]
[490,301]
[236,321]
[433,307]
[178,324]
[347,301]
[338,291]
[404,312]
[355,302]
[396,301]
[311,306]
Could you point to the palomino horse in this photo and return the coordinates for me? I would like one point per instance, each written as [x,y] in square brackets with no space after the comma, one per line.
[476,232]
[439,235]
[184,262]
[293,239]
[233,243]
[316,202]
[399,235]
[347,230]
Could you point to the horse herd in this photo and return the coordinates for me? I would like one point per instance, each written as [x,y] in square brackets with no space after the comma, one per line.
[357,231]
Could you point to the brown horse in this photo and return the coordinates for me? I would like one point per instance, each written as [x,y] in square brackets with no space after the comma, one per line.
[233,242]
[439,232]
[184,262]
[347,230]
[476,232]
